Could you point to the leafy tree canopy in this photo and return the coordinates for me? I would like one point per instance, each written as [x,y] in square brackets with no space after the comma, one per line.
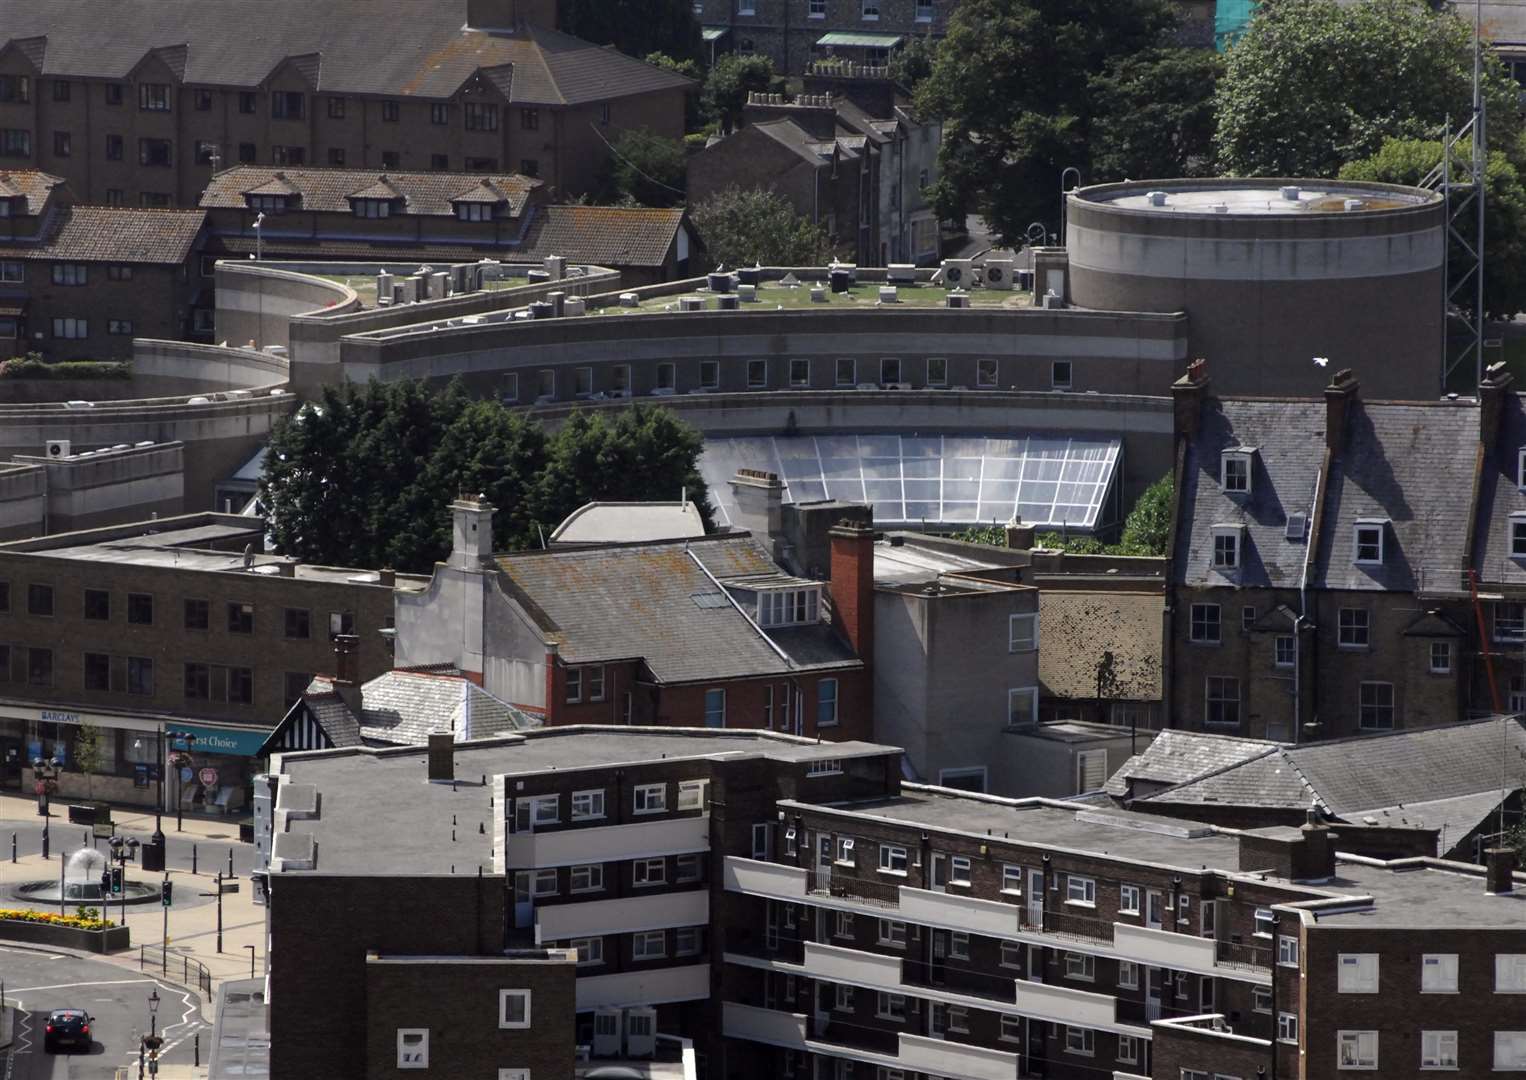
[1406,161]
[635,27]
[740,228]
[728,84]
[646,169]
[1012,83]
[1146,530]
[364,476]
[913,62]
[1153,115]
[1314,84]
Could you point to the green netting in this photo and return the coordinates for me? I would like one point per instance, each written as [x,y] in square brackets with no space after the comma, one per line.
[1229,21]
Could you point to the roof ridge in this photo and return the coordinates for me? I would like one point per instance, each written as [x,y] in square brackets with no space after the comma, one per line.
[1219,771]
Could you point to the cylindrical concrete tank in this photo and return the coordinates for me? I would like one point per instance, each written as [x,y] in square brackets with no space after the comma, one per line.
[1273,273]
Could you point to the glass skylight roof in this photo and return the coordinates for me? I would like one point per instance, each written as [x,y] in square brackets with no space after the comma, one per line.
[1047,480]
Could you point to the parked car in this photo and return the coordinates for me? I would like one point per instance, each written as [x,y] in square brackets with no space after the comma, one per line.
[67,1027]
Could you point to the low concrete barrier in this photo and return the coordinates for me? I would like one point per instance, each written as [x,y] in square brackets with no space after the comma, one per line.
[112,939]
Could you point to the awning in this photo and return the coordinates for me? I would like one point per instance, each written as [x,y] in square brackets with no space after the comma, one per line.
[714,33]
[860,39]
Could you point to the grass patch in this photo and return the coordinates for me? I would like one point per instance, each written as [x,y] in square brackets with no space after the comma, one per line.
[773,296]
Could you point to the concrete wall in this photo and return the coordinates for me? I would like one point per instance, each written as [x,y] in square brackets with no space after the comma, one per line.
[108,487]
[256,302]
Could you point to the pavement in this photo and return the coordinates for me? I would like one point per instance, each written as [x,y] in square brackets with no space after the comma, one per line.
[192,920]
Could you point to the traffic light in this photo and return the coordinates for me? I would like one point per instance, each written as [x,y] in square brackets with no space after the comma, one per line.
[106,888]
[116,881]
[166,892]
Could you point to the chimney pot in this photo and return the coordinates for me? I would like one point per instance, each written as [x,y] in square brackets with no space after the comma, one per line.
[442,757]
[1339,398]
[1187,395]
[852,585]
[1500,875]
[1492,393]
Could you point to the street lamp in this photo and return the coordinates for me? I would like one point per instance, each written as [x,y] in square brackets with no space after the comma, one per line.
[259,236]
[158,837]
[189,740]
[45,774]
[151,1042]
[123,851]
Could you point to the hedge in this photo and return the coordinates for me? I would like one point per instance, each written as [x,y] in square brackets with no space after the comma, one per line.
[27,367]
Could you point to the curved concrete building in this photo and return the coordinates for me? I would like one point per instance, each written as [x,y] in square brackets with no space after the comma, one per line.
[1272,273]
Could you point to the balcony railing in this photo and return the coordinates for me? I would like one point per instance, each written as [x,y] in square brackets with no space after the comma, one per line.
[845,883]
[842,1032]
[1063,922]
[1235,954]
[954,977]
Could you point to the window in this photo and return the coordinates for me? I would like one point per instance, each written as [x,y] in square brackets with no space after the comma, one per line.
[1128,900]
[824,767]
[154,97]
[71,274]
[937,371]
[1510,973]
[298,624]
[439,114]
[604,110]
[1022,633]
[119,326]
[762,841]
[539,882]
[155,152]
[12,271]
[826,703]
[1441,658]
[240,618]
[1287,1027]
[1226,547]
[372,208]
[1357,973]
[816,9]
[757,374]
[843,372]
[1287,950]
[688,940]
[1438,973]
[650,799]
[197,615]
[1509,1050]
[1222,700]
[1367,542]
[890,1006]
[1355,628]
[113,148]
[513,1008]
[1128,1045]
[39,600]
[527,166]
[709,375]
[1438,1050]
[1080,966]
[97,604]
[97,671]
[1358,1050]
[843,997]
[691,794]
[1266,922]
[389,112]
[1261,999]
[529,119]
[892,859]
[1080,890]
[800,373]
[537,810]
[715,707]
[140,609]
[1012,879]
[1377,706]
[247,153]
[1128,975]
[1060,374]
[1282,651]
[1023,706]
[788,607]
[1234,472]
[140,675]
[690,869]
[1510,622]
[63,144]
[15,142]
[892,933]
[590,950]
[413,1048]
[480,116]
[959,870]
[985,373]
[649,945]
[595,679]
[1205,628]
[15,89]
[871,9]
[890,370]
[588,878]
[845,846]
[39,667]
[1079,1040]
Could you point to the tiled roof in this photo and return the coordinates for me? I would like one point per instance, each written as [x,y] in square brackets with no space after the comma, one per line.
[35,185]
[604,235]
[398,48]
[1176,757]
[1347,776]
[651,601]
[113,234]
[403,706]
[332,189]
[1454,818]
[1076,628]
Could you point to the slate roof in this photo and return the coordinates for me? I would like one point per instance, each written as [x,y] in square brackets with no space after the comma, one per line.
[1408,464]
[1176,757]
[1454,818]
[1350,776]
[36,186]
[652,602]
[1076,627]
[401,707]
[112,234]
[396,48]
[1498,498]
[603,235]
[330,190]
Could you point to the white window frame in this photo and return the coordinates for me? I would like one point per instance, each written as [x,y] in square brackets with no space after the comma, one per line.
[1287,1028]
[421,1061]
[843,925]
[1014,1035]
[1510,973]
[712,695]
[592,875]
[1011,954]
[762,841]
[1520,469]
[1267,917]
[1509,1051]
[1438,973]
[1209,699]
[590,950]
[649,799]
[1081,966]
[891,932]
[1354,628]
[691,794]
[1023,632]
[1242,482]
[959,869]
[1441,658]
[1356,1040]
[1356,973]
[1128,1049]
[1128,899]
[826,702]
[1011,879]
[1261,999]
[1228,556]
[1284,651]
[1081,890]
[1438,1050]
[543,883]
[592,804]
[1083,1046]
[1031,695]
[574,693]
[648,872]
[890,1006]
[1128,975]
[642,947]
[505,1022]
[800,383]
[893,860]
[1287,951]
[688,868]
[1377,708]
[842,997]
[688,940]
[1367,525]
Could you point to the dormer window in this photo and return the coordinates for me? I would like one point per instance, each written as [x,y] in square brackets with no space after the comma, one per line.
[270,204]
[1367,541]
[475,211]
[1234,471]
[371,208]
[1518,535]
[1227,542]
[6,207]
[1520,469]
[789,607]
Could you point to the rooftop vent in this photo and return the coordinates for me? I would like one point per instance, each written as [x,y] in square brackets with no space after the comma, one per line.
[1157,198]
[1355,204]
[1289,192]
[1220,208]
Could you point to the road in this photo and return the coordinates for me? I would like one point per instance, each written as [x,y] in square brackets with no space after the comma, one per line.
[37,982]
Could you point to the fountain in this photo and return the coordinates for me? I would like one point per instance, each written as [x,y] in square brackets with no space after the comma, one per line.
[82,884]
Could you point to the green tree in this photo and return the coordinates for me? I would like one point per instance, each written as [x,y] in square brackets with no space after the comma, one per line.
[740,228]
[645,170]
[1314,84]
[89,755]
[1406,161]
[1153,115]
[689,68]
[635,27]
[1012,83]
[1074,545]
[732,78]
[913,62]
[1147,529]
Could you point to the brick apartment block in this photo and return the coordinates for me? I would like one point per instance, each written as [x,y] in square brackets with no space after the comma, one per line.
[141,103]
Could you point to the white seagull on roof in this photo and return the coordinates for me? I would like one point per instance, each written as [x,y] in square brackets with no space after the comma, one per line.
[1321,361]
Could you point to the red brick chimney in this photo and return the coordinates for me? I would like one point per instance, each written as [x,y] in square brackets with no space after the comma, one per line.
[1492,393]
[1187,395]
[1340,397]
[852,587]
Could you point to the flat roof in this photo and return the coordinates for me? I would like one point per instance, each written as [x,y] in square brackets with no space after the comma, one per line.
[1253,197]
[1423,895]
[907,564]
[1132,837]
[409,832]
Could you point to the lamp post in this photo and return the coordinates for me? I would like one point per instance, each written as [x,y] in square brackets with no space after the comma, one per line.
[158,837]
[151,1042]
[259,237]
[189,740]
[123,851]
[45,774]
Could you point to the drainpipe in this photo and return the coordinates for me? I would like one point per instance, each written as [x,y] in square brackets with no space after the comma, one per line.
[1302,620]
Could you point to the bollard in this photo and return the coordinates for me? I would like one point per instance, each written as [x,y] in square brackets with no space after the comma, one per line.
[196,1049]
[230,862]
[193,858]
[13,847]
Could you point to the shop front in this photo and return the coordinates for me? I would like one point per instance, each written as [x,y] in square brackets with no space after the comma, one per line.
[213,768]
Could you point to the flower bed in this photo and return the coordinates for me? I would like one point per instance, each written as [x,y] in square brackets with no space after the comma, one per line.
[63,931]
[53,919]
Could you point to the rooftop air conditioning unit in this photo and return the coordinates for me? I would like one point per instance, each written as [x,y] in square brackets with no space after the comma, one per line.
[606,1033]
[902,273]
[640,1032]
[999,274]
[958,300]
[58,448]
[691,303]
[958,273]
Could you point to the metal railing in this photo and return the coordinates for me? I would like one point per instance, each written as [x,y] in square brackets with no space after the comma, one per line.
[843,882]
[176,967]
[1236,954]
[1493,574]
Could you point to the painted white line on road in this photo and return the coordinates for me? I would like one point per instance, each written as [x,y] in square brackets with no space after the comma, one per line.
[33,952]
[68,986]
